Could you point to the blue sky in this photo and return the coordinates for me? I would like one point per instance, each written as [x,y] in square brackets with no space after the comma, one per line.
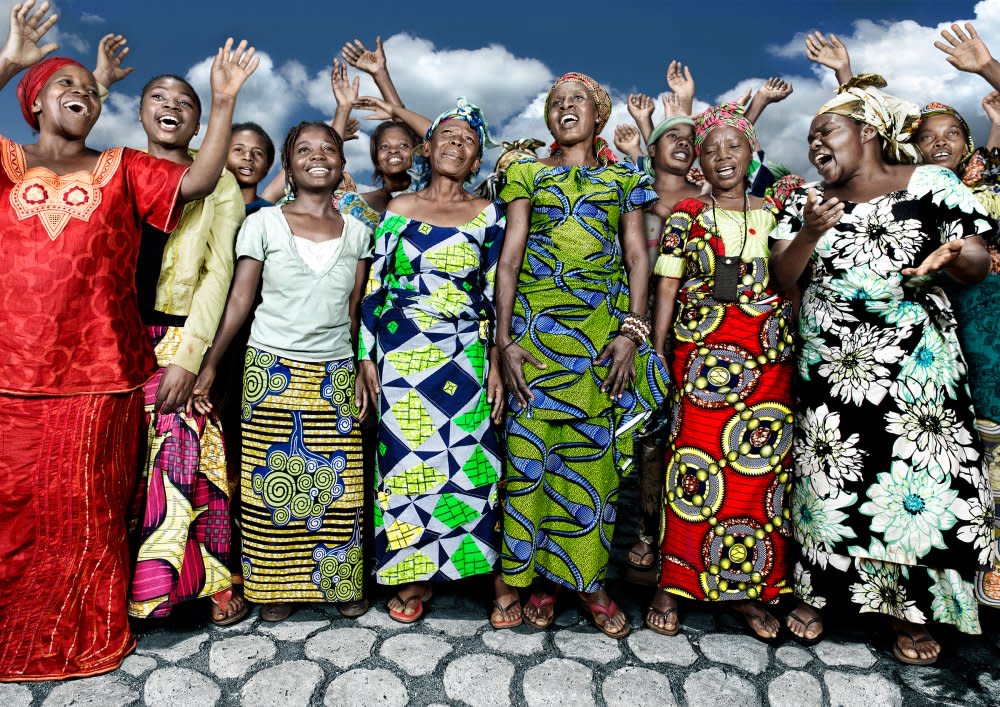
[626,49]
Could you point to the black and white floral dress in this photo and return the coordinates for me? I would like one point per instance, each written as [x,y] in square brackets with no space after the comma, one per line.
[890,493]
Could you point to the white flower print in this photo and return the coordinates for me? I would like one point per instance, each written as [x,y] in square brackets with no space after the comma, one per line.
[882,590]
[878,240]
[861,283]
[928,433]
[804,590]
[978,532]
[954,601]
[934,360]
[823,455]
[910,509]
[826,308]
[818,523]
[899,313]
[945,188]
[854,369]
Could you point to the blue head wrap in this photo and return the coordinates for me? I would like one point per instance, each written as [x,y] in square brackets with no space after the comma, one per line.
[471,114]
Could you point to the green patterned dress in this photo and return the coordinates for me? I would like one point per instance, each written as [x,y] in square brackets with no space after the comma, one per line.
[437,455]
[567,451]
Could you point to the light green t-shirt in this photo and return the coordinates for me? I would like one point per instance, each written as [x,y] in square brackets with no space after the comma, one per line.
[303,315]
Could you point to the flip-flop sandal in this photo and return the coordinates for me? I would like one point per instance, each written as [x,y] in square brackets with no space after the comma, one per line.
[755,619]
[914,642]
[221,601]
[540,601]
[802,640]
[608,612]
[642,556]
[276,612]
[663,614]
[401,616]
[353,609]
[509,623]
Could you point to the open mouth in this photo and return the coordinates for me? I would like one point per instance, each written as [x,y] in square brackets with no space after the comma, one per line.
[246,171]
[681,155]
[822,159]
[568,121]
[394,161]
[318,171]
[77,107]
[941,156]
[168,122]
[726,172]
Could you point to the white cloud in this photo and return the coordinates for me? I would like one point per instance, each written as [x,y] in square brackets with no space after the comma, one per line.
[66,40]
[89,18]
[119,123]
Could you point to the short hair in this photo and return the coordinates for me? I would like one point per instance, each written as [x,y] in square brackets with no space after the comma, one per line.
[252,127]
[293,135]
[377,138]
[175,77]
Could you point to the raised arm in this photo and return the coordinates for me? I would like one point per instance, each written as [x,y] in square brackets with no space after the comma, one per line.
[991,104]
[21,49]
[346,93]
[627,141]
[640,107]
[111,52]
[383,110]
[373,63]
[774,90]
[831,53]
[967,52]
[680,81]
[230,70]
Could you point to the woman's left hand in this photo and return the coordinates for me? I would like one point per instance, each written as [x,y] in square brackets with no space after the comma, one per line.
[621,354]
[231,68]
[495,394]
[938,260]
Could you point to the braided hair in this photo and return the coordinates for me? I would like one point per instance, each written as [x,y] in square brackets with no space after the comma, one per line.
[289,145]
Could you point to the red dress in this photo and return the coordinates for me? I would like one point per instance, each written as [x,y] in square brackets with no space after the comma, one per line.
[73,354]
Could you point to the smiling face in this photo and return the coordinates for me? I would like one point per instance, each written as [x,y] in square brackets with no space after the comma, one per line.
[725,157]
[68,102]
[572,113]
[247,158]
[674,152]
[942,141]
[453,149]
[394,151]
[315,163]
[169,112]
[836,146]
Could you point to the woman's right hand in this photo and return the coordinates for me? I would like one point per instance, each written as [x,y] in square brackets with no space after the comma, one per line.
[199,400]
[366,388]
[514,357]
[26,29]
[379,109]
[820,216]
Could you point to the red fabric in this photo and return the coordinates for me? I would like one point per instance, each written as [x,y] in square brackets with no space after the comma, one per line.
[66,473]
[69,320]
[33,81]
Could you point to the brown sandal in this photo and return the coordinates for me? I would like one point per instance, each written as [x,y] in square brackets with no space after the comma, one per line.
[608,611]
[221,603]
[915,640]
[276,612]
[663,614]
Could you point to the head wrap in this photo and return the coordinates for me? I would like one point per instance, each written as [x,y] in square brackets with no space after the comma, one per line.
[463,110]
[603,101]
[942,109]
[512,152]
[34,80]
[895,119]
[666,125]
[728,114]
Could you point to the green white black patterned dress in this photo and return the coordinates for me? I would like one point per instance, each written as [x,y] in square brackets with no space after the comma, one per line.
[891,494]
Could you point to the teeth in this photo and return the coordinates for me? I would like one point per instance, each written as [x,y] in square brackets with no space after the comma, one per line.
[76,106]
[680,155]
[941,155]
[169,121]
[318,171]
[568,120]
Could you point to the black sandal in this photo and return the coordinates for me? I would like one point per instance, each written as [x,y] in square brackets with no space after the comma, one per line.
[802,640]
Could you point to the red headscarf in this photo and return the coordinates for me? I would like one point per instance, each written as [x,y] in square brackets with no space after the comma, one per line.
[34,81]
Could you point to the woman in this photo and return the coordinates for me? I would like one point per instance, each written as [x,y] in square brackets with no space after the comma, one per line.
[890,493]
[302,486]
[426,365]
[74,353]
[182,279]
[725,534]
[572,325]
[251,155]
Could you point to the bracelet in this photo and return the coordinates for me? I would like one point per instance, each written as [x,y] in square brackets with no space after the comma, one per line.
[636,327]
[507,346]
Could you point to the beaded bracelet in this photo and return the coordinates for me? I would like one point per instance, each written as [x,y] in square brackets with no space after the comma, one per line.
[636,327]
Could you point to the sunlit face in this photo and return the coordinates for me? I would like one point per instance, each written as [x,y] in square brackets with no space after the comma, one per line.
[394,152]
[316,163]
[674,150]
[942,141]
[169,113]
[68,102]
[725,157]
[247,158]
[572,113]
[835,147]
[453,149]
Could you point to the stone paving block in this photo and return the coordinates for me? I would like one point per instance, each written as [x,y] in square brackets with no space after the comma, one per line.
[415,653]
[13,695]
[290,683]
[632,686]
[341,646]
[742,652]
[234,657]
[941,685]
[587,644]
[855,655]
[136,665]
[850,690]
[459,628]
[168,687]
[559,682]
[171,646]
[651,647]
[360,688]
[515,641]
[715,687]
[378,618]
[297,627]
[480,680]
[793,656]
[102,691]
[794,689]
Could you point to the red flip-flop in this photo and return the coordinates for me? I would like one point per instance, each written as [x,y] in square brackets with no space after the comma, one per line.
[607,611]
[401,616]
[540,601]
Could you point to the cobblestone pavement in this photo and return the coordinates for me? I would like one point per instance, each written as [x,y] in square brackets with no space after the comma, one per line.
[453,656]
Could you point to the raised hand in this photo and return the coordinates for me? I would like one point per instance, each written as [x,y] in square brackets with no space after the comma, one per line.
[26,29]
[680,82]
[231,68]
[829,52]
[965,50]
[820,216]
[775,90]
[672,105]
[111,52]
[627,140]
[344,91]
[352,129]
[378,109]
[357,55]
[991,104]
[640,107]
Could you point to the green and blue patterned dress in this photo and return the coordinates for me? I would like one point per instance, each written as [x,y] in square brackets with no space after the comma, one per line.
[437,455]
[567,451]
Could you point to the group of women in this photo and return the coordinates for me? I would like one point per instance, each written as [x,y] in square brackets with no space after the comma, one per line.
[481,370]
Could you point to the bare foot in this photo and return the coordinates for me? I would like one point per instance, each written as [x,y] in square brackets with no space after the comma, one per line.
[506,605]
[759,619]
[540,609]
[404,601]
[611,620]
[642,554]
[914,644]
[805,622]
[661,616]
